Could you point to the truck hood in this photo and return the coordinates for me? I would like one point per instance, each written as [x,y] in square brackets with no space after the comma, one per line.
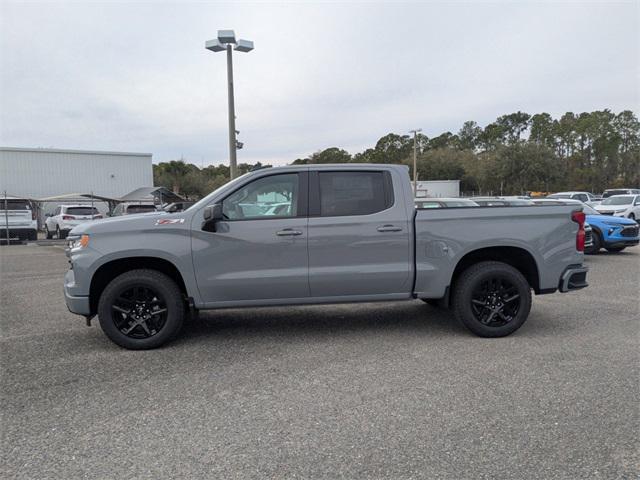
[124,223]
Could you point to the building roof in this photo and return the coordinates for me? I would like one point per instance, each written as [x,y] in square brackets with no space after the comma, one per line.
[69,151]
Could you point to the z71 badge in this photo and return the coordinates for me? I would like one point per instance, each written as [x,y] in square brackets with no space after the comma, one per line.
[169,221]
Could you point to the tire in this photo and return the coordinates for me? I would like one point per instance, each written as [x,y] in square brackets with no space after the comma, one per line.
[147,330]
[488,314]
[597,243]
[615,249]
[49,234]
[33,235]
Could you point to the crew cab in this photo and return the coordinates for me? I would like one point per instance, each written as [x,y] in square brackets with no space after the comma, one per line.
[350,233]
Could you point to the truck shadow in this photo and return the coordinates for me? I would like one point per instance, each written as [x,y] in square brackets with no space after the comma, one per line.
[415,318]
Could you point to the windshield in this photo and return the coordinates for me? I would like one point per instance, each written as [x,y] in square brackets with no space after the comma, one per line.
[559,195]
[206,200]
[621,200]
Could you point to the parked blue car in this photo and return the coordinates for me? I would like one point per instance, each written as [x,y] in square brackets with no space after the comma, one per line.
[611,233]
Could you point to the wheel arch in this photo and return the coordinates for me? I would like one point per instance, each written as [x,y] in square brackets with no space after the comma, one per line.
[519,258]
[111,269]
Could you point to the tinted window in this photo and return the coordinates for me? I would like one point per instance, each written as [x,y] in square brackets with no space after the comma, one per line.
[82,211]
[272,196]
[354,193]
[581,196]
[140,209]
[15,204]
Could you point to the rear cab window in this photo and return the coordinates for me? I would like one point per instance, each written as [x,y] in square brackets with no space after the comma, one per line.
[343,193]
[15,205]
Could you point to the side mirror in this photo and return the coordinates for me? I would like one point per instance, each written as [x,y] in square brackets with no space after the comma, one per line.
[212,214]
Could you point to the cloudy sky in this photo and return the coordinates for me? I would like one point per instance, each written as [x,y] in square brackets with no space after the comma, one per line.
[134,76]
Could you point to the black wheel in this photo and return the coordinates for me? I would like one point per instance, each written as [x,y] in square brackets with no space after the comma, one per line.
[492,299]
[615,249]
[49,234]
[141,309]
[597,243]
[33,235]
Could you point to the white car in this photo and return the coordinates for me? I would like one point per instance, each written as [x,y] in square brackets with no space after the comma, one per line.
[65,217]
[18,216]
[585,197]
[621,206]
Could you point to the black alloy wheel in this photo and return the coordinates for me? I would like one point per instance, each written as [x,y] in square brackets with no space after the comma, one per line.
[141,309]
[139,312]
[495,301]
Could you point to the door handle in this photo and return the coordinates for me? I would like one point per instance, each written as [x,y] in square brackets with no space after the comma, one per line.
[288,232]
[389,228]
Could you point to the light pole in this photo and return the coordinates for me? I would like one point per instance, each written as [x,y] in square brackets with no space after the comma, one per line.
[227,41]
[415,160]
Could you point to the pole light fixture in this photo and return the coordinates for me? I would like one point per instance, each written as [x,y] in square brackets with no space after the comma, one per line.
[226,40]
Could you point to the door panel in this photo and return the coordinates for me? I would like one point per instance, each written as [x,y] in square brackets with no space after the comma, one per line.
[259,251]
[358,254]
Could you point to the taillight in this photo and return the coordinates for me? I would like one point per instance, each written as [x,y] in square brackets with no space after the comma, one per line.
[68,217]
[579,217]
[33,214]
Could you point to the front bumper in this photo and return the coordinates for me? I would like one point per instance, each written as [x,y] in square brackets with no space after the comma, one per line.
[573,278]
[79,305]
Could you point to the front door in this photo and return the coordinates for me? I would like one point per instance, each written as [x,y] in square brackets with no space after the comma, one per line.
[259,251]
[359,235]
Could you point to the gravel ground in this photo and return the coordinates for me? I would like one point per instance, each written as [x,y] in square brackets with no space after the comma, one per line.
[391,390]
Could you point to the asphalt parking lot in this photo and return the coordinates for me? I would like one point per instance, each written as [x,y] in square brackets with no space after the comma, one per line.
[392,390]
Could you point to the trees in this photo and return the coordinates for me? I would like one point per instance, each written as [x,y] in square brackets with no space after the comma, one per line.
[517,152]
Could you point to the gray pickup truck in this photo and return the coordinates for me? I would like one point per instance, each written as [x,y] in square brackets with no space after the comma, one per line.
[320,234]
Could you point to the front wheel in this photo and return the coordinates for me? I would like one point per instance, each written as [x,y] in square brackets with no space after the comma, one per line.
[597,244]
[492,299]
[49,234]
[141,309]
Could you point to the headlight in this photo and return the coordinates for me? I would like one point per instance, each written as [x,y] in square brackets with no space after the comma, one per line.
[76,243]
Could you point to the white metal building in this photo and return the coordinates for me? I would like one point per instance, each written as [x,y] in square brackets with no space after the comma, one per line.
[45,172]
[438,188]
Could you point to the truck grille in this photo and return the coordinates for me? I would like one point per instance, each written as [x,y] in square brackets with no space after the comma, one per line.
[630,231]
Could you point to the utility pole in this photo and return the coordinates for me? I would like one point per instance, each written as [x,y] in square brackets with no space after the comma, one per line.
[415,160]
[233,163]
[226,40]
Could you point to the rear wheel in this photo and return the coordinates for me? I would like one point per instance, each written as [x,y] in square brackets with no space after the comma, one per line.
[492,299]
[141,309]
[615,249]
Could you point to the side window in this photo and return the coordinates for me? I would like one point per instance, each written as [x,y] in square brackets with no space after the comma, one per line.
[272,196]
[354,193]
[582,197]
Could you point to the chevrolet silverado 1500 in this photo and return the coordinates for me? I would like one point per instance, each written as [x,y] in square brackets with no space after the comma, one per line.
[316,234]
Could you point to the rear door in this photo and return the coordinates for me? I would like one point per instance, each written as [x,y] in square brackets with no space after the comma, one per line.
[358,234]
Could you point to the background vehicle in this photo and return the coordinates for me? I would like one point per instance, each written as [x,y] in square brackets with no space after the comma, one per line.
[444,202]
[620,191]
[501,201]
[130,208]
[19,215]
[611,233]
[177,206]
[351,234]
[621,206]
[587,198]
[65,217]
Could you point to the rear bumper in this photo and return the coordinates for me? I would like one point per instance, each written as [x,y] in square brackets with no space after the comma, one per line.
[23,233]
[573,278]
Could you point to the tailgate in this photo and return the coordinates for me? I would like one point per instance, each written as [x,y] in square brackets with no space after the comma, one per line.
[15,218]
